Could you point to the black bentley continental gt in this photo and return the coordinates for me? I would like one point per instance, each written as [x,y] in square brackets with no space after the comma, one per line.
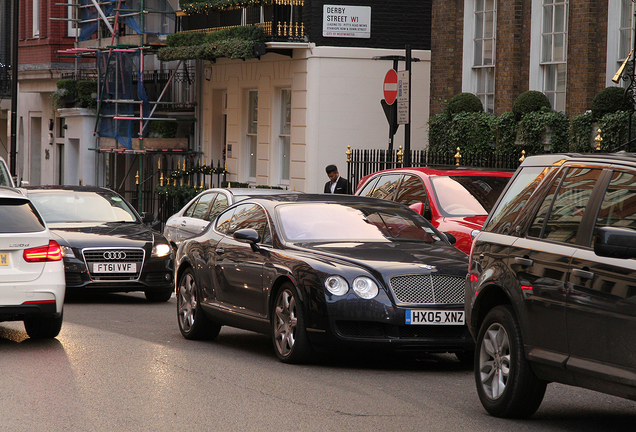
[323,271]
[106,245]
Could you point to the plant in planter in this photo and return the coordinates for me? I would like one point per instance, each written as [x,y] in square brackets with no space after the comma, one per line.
[87,94]
[58,98]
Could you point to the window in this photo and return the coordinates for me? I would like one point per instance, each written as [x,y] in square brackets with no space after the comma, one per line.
[484,52]
[565,211]
[200,208]
[513,203]
[243,217]
[619,203]
[386,187]
[252,129]
[220,203]
[554,51]
[73,26]
[36,18]
[412,191]
[625,29]
[284,137]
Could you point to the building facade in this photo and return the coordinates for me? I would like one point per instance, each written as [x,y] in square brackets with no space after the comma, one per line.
[277,119]
[567,49]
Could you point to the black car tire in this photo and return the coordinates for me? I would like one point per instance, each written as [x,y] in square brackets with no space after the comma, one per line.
[158,296]
[193,323]
[43,327]
[506,384]
[288,327]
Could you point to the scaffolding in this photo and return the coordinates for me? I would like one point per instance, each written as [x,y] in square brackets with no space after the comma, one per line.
[119,35]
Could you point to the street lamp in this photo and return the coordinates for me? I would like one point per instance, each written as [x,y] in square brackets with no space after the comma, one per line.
[14,87]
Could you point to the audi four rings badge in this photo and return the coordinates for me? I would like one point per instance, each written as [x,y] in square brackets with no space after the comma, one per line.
[115,255]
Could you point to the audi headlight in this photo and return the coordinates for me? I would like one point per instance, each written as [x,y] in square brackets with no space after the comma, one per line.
[336,285]
[67,252]
[160,250]
[365,287]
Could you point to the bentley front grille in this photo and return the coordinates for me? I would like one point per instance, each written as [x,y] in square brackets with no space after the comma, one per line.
[427,289]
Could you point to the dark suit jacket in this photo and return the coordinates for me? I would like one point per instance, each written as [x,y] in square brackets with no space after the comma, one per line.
[342,186]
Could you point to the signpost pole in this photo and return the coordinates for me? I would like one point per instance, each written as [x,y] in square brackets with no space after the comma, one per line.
[407,126]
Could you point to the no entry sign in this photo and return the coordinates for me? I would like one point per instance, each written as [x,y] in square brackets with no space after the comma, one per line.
[390,87]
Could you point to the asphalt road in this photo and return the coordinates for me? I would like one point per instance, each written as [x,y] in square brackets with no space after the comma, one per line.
[120,364]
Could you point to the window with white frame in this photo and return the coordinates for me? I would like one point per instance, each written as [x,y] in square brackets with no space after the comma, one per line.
[36,18]
[625,32]
[484,43]
[251,136]
[73,15]
[284,136]
[554,35]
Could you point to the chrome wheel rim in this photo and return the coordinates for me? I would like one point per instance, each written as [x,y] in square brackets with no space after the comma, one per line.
[285,322]
[494,361]
[187,302]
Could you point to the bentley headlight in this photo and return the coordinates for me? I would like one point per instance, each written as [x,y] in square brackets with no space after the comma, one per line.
[336,285]
[160,250]
[365,287]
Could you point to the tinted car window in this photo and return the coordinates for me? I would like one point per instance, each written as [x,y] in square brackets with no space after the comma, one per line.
[250,216]
[522,186]
[223,222]
[219,204]
[412,191]
[368,187]
[467,195]
[200,208]
[569,205]
[245,216]
[619,202]
[18,216]
[386,187]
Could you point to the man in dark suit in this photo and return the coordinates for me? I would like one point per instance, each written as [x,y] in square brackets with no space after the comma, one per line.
[336,184]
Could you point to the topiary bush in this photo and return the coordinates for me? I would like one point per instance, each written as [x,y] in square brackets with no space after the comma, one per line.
[87,93]
[528,102]
[609,100]
[464,102]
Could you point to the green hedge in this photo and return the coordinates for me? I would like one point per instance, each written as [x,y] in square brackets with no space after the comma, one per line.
[539,130]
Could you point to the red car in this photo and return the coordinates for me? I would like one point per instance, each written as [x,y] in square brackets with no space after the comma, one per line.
[455,201]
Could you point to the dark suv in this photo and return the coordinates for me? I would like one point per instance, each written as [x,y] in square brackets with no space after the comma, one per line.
[551,288]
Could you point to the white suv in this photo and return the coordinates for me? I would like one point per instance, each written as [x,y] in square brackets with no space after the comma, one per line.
[32,284]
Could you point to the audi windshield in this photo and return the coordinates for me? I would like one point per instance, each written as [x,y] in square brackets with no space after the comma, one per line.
[67,206]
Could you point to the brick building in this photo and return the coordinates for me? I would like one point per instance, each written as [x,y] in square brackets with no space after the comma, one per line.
[568,49]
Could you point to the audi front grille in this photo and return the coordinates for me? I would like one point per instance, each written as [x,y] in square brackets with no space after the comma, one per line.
[115,264]
[427,289]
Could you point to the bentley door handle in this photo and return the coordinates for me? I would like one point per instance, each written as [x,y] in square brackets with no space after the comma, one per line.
[583,274]
[219,251]
[526,262]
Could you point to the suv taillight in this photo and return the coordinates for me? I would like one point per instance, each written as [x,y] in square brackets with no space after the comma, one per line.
[51,252]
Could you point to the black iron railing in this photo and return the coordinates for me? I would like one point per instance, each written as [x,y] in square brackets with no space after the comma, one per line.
[362,162]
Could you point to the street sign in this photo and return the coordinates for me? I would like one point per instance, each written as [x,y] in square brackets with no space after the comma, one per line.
[390,87]
[403,104]
[403,86]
